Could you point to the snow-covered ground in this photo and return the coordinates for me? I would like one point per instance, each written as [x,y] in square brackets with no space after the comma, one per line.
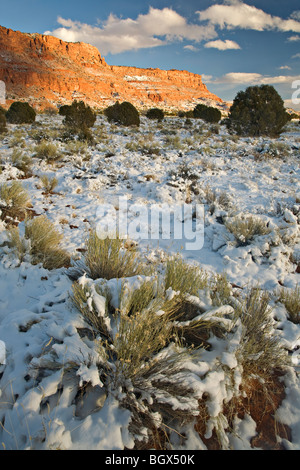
[180,164]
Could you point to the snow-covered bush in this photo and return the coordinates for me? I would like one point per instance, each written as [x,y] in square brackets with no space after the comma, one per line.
[108,258]
[245,229]
[14,202]
[42,242]
[290,298]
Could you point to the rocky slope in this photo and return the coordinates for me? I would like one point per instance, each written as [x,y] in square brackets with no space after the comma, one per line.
[47,72]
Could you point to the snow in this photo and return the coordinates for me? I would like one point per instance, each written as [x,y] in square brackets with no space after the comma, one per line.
[39,326]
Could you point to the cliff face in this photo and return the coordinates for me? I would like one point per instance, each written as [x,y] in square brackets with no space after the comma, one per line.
[47,71]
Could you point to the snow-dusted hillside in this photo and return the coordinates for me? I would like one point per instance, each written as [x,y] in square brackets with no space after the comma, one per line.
[47,355]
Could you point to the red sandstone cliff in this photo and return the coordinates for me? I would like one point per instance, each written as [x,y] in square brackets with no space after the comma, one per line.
[47,71]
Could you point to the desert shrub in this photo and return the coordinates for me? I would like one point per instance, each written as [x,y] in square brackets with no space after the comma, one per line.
[20,113]
[123,113]
[187,114]
[245,229]
[48,184]
[290,298]
[155,113]
[22,162]
[141,355]
[260,351]
[42,242]
[207,113]
[184,277]
[48,151]
[14,202]
[259,110]
[78,115]
[83,300]
[2,123]
[108,258]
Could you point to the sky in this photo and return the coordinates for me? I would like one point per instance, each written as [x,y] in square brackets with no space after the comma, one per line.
[233,44]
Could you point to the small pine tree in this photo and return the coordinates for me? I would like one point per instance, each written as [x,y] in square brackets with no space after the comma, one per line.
[78,115]
[155,113]
[123,113]
[207,113]
[257,111]
[2,121]
[20,113]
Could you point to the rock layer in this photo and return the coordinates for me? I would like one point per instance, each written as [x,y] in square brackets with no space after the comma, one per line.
[48,72]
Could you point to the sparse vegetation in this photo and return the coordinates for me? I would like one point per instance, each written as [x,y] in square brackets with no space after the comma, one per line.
[48,151]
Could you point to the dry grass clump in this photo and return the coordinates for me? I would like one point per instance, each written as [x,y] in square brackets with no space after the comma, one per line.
[184,277]
[14,202]
[220,290]
[290,298]
[260,351]
[108,258]
[48,184]
[48,151]
[42,242]
[245,229]
[142,360]
[22,162]
[84,301]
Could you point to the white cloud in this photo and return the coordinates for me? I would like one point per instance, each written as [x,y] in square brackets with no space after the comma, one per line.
[190,47]
[163,26]
[285,67]
[296,56]
[246,78]
[115,35]
[296,15]
[294,38]
[236,14]
[222,45]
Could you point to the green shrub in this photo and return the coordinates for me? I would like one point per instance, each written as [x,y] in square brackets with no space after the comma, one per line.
[2,122]
[125,114]
[207,113]
[155,113]
[258,111]
[78,115]
[20,113]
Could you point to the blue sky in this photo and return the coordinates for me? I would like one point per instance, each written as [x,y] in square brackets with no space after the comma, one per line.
[231,43]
